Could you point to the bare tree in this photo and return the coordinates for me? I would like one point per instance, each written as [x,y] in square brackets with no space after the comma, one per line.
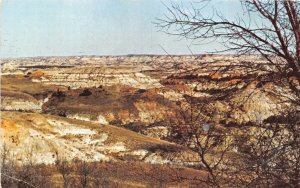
[268,150]
[64,168]
[195,127]
[273,155]
[276,37]
[255,154]
[4,157]
[84,170]
[24,173]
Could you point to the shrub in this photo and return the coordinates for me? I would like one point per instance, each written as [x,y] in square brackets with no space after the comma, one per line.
[85,92]
[141,91]
[165,148]
[136,127]
[58,94]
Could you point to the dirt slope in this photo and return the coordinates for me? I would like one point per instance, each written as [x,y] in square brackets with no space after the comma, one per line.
[44,135]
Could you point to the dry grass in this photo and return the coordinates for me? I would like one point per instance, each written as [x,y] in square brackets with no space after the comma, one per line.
[133,174]
[22,84]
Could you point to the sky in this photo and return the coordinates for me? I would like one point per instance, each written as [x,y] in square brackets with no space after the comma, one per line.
[31,28]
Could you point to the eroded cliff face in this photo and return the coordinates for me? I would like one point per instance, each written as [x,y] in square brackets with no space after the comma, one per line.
[15,101]
[98,76]
[143,71]
[19,93]
[228,80]
[42,137]
[141,93]
[118,105]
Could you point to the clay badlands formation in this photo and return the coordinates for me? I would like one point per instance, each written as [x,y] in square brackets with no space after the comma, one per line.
[118,108]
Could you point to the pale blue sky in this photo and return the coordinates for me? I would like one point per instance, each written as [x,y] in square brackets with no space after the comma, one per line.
[91,27]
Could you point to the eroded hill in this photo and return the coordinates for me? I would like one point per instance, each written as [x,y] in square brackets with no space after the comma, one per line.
[126,108]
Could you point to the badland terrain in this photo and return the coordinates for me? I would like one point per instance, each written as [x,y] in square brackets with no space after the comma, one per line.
[132,120]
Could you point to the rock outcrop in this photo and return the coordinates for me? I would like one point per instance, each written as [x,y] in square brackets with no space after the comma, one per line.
[16,101]
[46,136]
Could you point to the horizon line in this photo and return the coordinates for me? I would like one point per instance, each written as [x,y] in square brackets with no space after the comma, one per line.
[121,55]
